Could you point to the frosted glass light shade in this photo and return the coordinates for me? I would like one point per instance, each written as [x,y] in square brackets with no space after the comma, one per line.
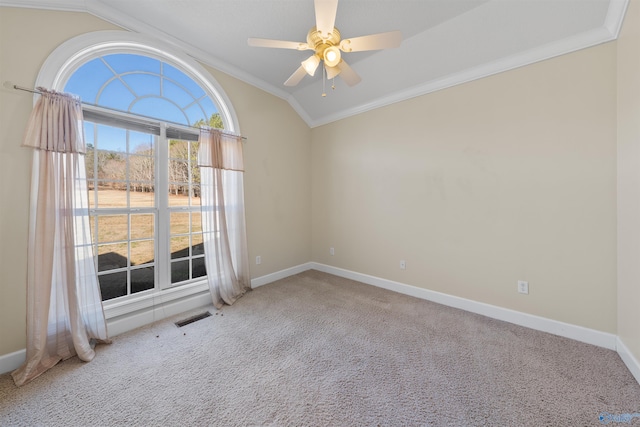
[310,64]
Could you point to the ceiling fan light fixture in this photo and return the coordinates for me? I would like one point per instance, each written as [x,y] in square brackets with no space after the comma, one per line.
[325,40]
[311,64]
[331,56]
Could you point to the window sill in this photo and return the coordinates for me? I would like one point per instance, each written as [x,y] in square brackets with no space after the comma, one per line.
[156,299]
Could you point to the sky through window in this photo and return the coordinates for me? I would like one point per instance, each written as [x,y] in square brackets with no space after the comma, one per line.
[141,85]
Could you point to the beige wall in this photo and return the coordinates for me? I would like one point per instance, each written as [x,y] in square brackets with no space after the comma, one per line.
[277,181]
[629,180]
[511,177]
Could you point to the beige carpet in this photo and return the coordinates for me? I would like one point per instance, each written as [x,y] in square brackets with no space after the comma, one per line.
[317,350]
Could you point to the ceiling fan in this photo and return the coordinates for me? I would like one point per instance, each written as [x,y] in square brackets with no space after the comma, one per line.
[324,40]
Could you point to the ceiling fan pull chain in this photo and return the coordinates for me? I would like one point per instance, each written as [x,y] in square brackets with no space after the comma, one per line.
[333,83]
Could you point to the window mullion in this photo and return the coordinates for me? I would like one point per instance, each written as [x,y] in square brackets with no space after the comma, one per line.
[163,266]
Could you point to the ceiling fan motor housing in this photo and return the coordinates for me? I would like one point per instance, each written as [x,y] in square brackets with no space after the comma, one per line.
[320,44]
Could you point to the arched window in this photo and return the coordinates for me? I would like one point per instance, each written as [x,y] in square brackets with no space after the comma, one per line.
[145,86]
[142,105]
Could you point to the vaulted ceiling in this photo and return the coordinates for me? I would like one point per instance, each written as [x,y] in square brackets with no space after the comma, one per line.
[445,42]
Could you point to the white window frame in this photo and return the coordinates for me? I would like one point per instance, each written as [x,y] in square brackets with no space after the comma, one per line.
[55,73]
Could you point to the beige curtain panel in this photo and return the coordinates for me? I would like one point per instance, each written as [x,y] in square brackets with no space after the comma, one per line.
[64,307]
[221,164]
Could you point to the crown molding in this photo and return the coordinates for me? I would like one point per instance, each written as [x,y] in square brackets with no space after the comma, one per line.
[293,102]
[615,16]
[59,5]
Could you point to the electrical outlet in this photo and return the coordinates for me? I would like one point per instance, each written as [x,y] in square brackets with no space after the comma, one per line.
[523,287]
[403,265]
[332,251]
[258,260]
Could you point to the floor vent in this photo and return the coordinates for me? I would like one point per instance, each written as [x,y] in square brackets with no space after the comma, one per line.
[184,322]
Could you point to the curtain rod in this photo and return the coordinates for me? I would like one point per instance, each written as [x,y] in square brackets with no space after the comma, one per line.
[26,89]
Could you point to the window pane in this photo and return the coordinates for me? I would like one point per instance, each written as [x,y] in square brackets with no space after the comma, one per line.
[141,195]
[89,169]
[142,226]
[183,80]
[87,80]
[111,257]
[179,223]
[125,62]
[142,252]
[178,194]
[92,226]
[142,279]
[195,195]
[141,168]
[111,166]
[210,109]
[113,285]
[111,138]
[91,186]
[196,114]
[179,247]
[178,171]
[179,271]
[179,150]
[197,247]
[176,93]
[144,84]
[196,222]
[199,268]
[108,197]
[141,143]
[113,228]
[116,95]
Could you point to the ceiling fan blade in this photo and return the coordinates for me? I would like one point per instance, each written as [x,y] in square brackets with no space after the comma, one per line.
[280,44]
[296,77]
[325,16]
[332,71]
[349,76]
[373,42]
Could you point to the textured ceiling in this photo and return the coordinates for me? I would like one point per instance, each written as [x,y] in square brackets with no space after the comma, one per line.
[445,42]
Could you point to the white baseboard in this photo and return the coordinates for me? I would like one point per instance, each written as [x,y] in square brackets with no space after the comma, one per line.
[12,361]
[579,333]
[263,280]
[627,357]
